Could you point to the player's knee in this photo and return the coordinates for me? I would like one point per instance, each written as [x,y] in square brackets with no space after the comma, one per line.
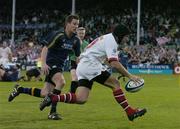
[74,77]
[60,85]
[43,93]
[116,82]
[81,100]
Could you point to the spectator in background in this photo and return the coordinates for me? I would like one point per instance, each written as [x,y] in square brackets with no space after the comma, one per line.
[32,73]
[9,75]
[5,53]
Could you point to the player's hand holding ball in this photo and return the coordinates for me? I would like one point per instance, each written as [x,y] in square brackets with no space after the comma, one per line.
[134,84]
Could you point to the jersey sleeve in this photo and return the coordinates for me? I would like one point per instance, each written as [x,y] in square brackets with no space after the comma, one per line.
[111,49]
[51,38]
[84,45]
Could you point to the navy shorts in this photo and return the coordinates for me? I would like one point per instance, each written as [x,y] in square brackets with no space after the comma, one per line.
[52,72]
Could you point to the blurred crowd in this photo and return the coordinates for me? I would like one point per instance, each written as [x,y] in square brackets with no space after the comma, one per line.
[148,54]
[159,31]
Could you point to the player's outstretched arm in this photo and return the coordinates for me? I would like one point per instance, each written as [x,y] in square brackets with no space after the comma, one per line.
[45,68]
[117,65]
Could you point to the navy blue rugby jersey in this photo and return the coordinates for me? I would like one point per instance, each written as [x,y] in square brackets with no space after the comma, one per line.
[59,47]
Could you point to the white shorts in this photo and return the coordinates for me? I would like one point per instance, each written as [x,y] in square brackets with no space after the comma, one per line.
[88,69]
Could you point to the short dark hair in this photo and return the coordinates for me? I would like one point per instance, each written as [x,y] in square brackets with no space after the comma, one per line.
[69,18]
[120,31]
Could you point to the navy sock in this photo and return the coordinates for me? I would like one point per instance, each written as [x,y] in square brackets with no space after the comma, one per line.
[74,85]
[31,91]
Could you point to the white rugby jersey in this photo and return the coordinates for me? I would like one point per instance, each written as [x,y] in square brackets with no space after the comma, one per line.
[4,52]
[101,49]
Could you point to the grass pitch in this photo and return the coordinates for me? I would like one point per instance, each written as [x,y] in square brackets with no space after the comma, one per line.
[160,95]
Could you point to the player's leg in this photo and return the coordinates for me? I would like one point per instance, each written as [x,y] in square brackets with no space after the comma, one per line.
[106,79]
[74,79]
[59,82]
[80,97]
[33,91]
[48,88]
[82,91]
[74,82]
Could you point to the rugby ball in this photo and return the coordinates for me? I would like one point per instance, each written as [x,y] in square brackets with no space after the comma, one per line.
[132,86]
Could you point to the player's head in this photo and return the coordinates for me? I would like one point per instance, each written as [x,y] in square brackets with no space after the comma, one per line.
[81,31]
[71,23]
[4,44]
[121,33]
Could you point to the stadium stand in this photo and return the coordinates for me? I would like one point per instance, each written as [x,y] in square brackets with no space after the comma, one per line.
[159,32]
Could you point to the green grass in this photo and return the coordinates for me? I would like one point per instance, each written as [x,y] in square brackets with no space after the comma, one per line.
[161,97]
